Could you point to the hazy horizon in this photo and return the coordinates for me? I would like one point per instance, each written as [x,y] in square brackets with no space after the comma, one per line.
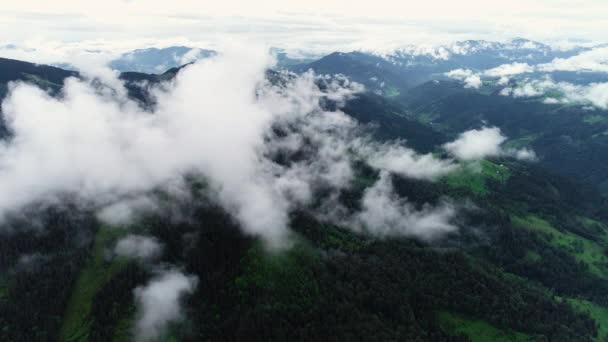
[67,26]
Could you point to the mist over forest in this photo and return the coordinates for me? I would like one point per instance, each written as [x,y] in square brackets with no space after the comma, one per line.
[303,171]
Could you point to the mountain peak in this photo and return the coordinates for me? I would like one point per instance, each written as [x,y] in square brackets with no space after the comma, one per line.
[158,60]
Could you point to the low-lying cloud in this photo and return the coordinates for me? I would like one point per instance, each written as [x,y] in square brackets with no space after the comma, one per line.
[485,142]
[594,60]
[220,118]
[590,61]
[159,303]
[595,94]
[509,70]
[385,214]
[469,77]
[398,159]
[138,247]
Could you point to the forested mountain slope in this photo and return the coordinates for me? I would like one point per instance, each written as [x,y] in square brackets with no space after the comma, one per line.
[568,139]
[528,263]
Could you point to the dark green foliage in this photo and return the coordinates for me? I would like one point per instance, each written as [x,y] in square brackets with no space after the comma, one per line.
[554,268]
[41,266]
[385,290]
[392,122]
[114,303]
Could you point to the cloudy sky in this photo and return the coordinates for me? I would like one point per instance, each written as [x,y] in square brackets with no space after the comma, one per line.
[313,24]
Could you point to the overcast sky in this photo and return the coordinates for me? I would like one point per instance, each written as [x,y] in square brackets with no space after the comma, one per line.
[311,24]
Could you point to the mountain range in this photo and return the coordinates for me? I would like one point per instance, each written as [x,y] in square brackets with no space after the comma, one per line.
[528,263]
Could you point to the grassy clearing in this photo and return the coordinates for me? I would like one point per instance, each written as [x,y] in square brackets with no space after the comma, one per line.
[494,171]
[392,92]
[95,274]
[589,252]
[427,117]
[467,180]
[477,330]
[598,313]
[594,225]
[474,177]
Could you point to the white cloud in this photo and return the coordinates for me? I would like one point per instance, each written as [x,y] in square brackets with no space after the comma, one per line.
[139,247]
[477,144]
[594,60]
[316,25]
[549,100]
[217,114]
[102,148]
[503,80]
[384,214]
[522,154]
[473,81]
[526,90]
[595,94]
[460,74]
[191,56]
[485,142]
[159,303]
[401,160]
[509,70]
[123,211]
[470,78]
